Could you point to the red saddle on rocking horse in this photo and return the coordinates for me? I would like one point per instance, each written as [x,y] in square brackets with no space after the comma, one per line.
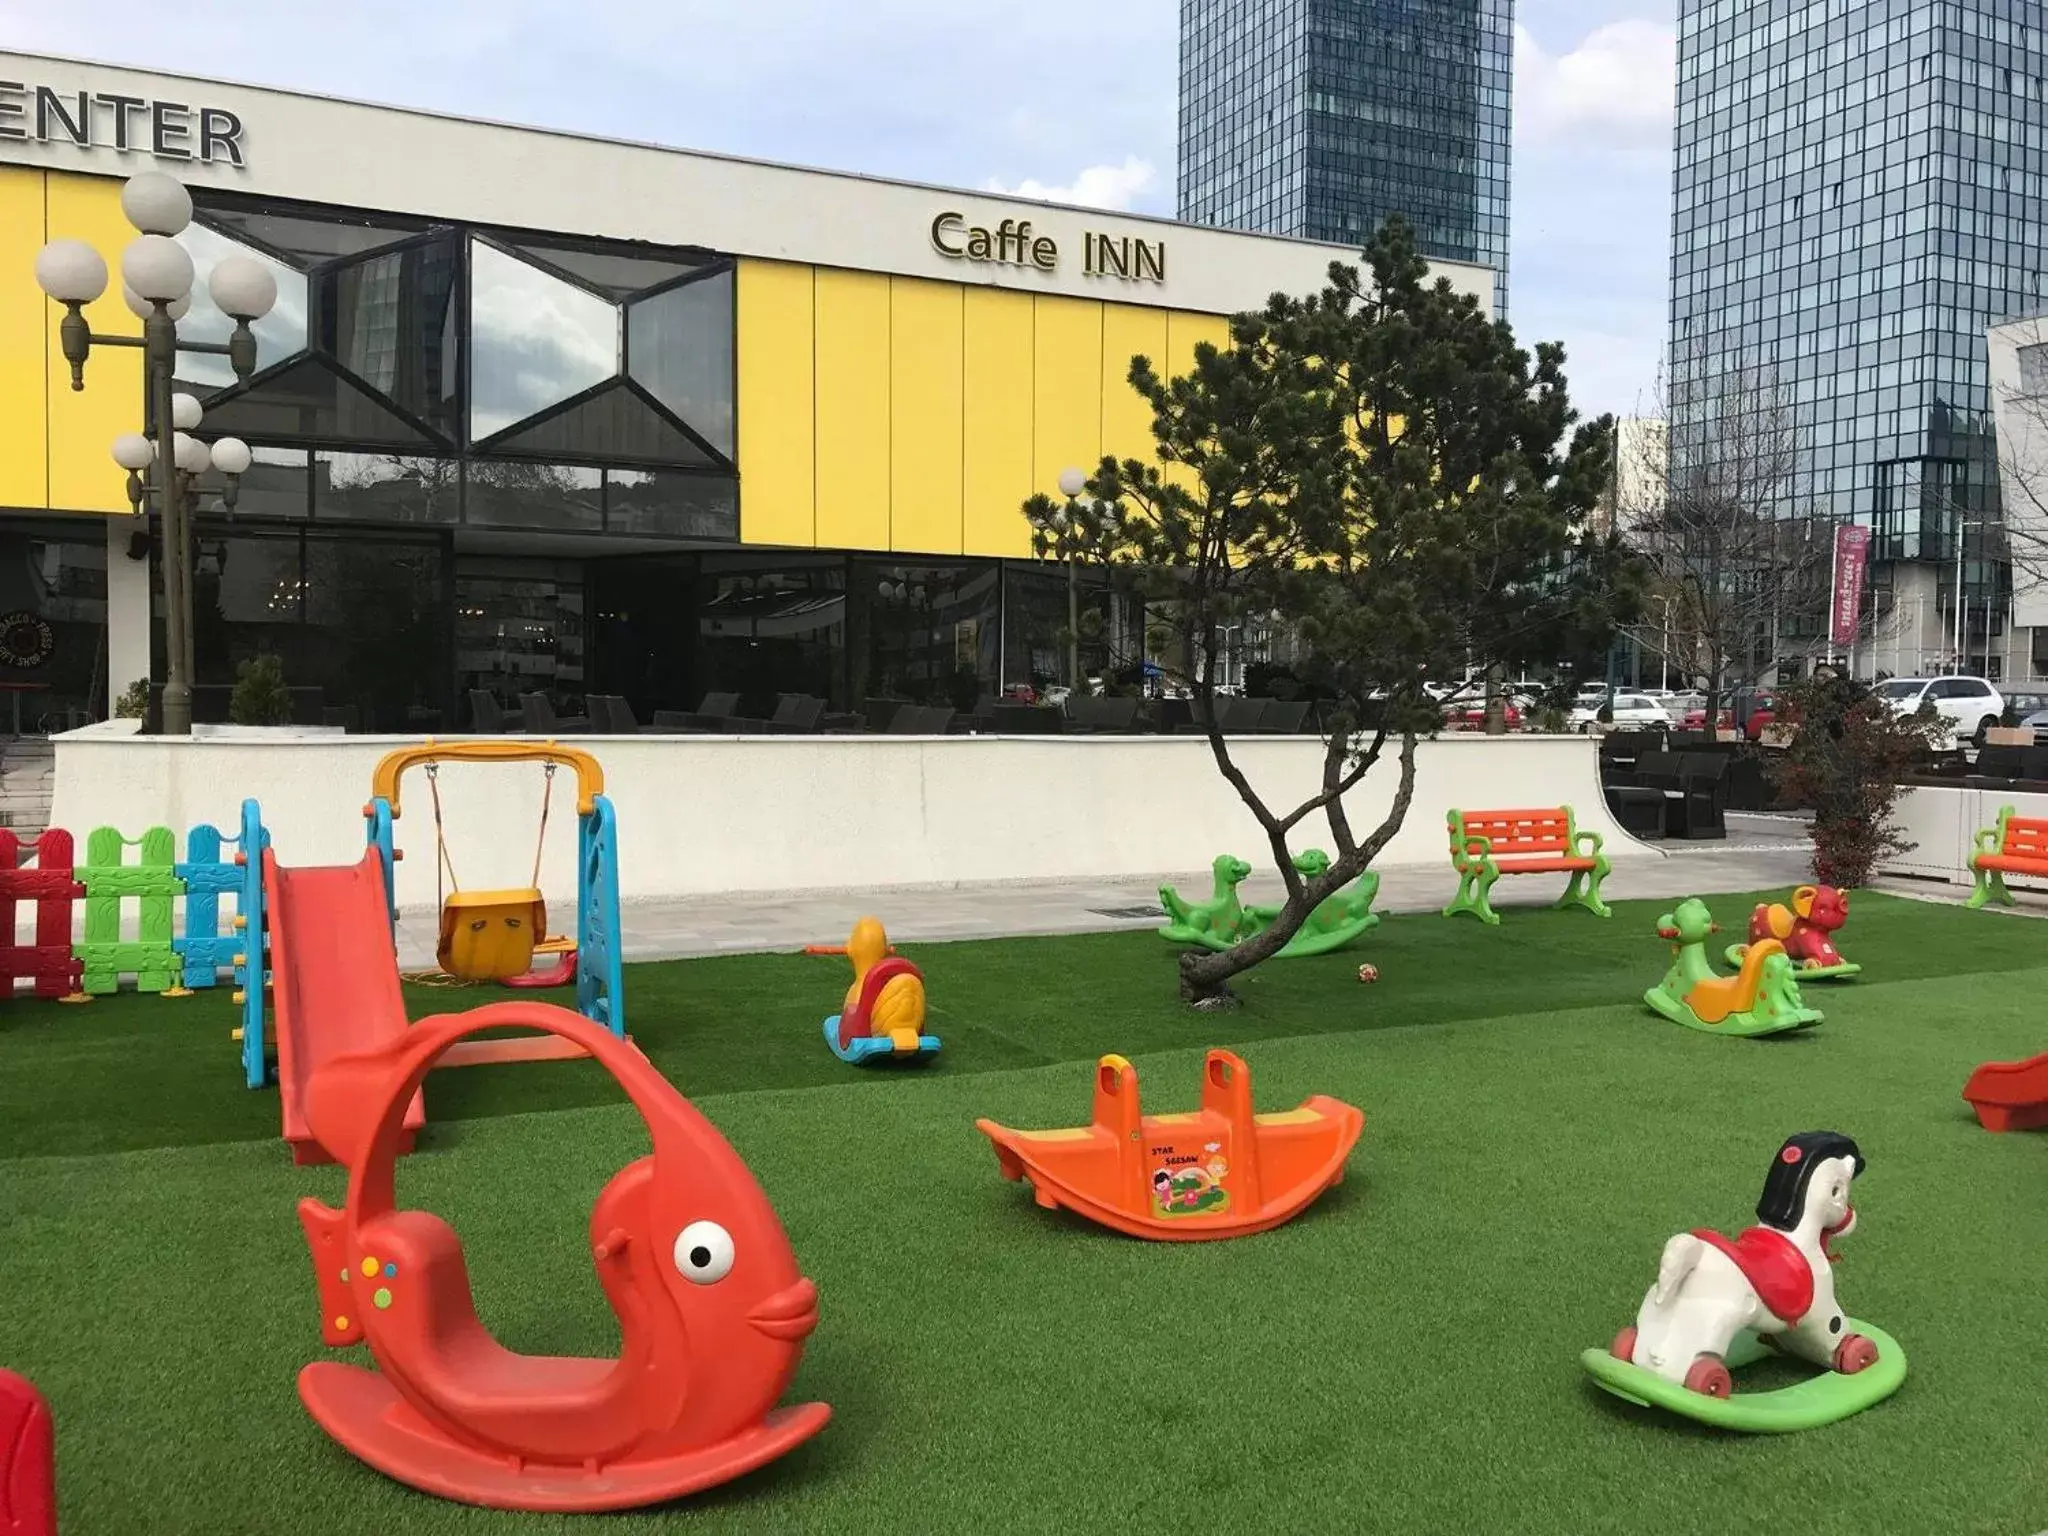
[712,1309]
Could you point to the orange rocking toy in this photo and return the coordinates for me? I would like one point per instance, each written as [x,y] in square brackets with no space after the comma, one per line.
[712,1310]
[1221,1171]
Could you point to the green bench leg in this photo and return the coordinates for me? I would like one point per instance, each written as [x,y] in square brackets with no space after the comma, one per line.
[1583,893]
[1990,887]
[1473,886]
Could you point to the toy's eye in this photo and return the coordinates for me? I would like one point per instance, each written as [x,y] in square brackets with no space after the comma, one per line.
[704,1253]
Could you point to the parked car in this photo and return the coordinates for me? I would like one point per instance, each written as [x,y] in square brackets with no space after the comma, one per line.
[1749,713]
[1471,715]
[2037,722]
[1970,705]
[1631,710]
[2024,706]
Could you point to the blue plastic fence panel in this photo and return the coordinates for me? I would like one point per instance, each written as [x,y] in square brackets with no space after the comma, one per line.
[600,981]
[253,973]
[381,839]
[204,949]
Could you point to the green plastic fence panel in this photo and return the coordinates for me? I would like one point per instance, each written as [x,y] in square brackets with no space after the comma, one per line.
[109,879]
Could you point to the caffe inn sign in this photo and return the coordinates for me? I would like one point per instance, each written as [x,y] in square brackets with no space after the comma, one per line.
[168,130]
[1013,243]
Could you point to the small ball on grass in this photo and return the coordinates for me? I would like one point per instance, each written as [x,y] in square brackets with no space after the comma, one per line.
[1368,973]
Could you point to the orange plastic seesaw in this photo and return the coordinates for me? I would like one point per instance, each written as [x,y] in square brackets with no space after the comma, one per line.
[1220,1171]
[712,1309]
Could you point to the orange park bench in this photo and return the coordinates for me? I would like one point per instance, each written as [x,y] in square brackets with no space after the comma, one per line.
[1488,844]
[2018,845]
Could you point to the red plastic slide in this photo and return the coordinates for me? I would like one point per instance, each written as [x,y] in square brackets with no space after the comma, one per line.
[28,1460]
[2010,1095]
[334,981]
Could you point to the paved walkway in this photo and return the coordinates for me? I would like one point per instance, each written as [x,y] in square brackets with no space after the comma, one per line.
[1760,851]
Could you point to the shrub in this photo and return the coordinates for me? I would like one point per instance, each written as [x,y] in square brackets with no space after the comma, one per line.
[134,701]
[260,696]
[1847,760]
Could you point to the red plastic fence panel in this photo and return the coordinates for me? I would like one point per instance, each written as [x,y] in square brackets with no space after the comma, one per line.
[49,961]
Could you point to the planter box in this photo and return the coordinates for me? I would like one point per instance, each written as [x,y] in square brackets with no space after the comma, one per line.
[2008,736]
[1778,735]
[1727,735]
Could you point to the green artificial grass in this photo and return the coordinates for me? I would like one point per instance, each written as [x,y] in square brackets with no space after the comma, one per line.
[1401,1358]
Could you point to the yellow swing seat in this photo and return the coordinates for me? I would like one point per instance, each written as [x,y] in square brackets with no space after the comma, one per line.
[490,935]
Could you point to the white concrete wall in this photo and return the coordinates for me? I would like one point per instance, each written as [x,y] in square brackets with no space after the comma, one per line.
[701,815]
[1944,823]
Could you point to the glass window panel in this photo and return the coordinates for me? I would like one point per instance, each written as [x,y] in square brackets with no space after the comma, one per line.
[614,273]
[535,340]
[519,629]
[617,423]
[387,487]
[772,624]
[929,634]
[276,484]
[510,493]
[309,400]
[679,346]
[314,240]
[279,334]
[377,632]
[61,578]
[389,319]
[669,504]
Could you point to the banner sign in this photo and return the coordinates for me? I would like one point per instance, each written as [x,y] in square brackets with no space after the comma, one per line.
[1852,562]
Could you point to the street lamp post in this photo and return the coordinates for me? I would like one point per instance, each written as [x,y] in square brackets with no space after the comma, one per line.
[164,462]
[1068,532]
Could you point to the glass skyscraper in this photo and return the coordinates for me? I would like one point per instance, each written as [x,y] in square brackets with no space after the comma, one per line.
[1319,118]
[1859,193]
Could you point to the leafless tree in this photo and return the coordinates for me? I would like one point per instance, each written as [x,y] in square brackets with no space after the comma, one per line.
[1740,557]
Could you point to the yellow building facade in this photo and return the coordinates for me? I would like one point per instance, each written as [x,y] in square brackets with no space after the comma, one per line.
[542,421]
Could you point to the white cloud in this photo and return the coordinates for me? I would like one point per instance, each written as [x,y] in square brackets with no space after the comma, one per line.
[1617,85]
[1098,186]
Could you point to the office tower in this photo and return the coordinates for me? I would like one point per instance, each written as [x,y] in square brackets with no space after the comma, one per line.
[1319,118]
[1858,196]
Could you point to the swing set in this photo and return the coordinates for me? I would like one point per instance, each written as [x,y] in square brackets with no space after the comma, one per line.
[494,935]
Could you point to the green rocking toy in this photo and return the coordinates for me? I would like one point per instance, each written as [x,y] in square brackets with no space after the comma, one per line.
[1222,921]
[1760,999]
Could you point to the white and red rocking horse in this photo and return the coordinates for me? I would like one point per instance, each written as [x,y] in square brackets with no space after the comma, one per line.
[1776,1279]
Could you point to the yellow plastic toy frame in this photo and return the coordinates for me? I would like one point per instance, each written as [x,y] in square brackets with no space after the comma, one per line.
[392,766]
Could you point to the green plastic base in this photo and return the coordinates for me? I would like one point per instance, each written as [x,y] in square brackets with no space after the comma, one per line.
[1825,1398]
[1742,1025]
[1840,972]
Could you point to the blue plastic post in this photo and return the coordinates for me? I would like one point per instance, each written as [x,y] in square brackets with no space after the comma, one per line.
[381,839]
[254,946]
[600,981]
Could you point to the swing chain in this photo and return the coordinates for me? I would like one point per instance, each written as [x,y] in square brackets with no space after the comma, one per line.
[442,858]
[547,796]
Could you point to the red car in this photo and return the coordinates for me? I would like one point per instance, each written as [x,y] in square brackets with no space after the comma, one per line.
[1472,716]
[1761,714]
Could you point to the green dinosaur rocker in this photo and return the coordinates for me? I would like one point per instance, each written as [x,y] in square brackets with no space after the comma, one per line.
[1760,999]
[1222,921]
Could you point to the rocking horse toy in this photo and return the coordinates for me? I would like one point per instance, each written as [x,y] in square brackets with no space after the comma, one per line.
[1720,1304]
[1806,926]
[1760,999]
[883,1016]
[712,1309]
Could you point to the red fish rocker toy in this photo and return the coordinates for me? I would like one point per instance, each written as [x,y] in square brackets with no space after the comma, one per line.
[1219,1172]
[1806,926]
[712,1309]
[1720,1304]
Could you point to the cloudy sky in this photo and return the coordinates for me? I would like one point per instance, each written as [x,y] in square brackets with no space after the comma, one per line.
[1072,99]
